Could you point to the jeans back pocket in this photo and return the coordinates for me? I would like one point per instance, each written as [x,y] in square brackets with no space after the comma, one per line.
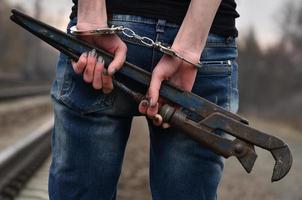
[79,95]
[213,82]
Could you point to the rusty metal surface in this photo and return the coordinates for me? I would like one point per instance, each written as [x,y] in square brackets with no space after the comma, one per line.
[211,118]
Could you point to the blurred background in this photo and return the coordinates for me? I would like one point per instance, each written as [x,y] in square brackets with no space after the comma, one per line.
[270,71]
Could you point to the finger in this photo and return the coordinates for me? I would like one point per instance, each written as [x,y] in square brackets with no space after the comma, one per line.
[97,75]
[106,82]
[166,125]
[89,70]
[143,106]
[79,66]
[157,120]
[155,84]
[119,59]
[152,110]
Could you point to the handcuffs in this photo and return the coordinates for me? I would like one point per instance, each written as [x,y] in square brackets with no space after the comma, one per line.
[131,34]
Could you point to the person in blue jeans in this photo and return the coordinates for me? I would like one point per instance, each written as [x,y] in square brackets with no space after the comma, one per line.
[93,119]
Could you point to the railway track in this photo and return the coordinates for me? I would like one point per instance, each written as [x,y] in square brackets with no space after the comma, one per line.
[23,91]
[21,160]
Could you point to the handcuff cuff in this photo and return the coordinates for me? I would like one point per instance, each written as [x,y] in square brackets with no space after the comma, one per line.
[131,34]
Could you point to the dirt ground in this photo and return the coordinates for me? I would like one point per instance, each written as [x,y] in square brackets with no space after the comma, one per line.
[236,184]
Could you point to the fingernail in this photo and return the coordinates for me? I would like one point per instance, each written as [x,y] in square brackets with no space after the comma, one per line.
[114,71]
[100,60]
[85,54]
[92,53]
[105,72]
[154,106]
[145,103]
[157,119]
[166,125]
[151,103]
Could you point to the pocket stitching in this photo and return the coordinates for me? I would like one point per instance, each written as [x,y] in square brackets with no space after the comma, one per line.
[101,103]
[216,68]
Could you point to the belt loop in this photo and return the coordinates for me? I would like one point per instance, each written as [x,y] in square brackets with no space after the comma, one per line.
[160,26]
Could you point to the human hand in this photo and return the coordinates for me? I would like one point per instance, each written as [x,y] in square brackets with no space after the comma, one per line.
[189,42]
[175,70]
[92,65]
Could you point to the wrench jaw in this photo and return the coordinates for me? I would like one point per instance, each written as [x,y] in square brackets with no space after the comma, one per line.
[248,161]
[284,160]
[247,157]
[276,146]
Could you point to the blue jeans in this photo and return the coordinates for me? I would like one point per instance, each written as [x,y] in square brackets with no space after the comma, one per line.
[91,128]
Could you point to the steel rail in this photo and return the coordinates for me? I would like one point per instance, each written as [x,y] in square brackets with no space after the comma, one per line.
[20,161]
[19,92]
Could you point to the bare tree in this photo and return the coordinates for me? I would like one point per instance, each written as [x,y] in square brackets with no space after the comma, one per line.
[270,80]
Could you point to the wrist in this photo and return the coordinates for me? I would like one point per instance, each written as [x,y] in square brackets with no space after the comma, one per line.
[194,42]
[188,53]
[92,14]
[90,26]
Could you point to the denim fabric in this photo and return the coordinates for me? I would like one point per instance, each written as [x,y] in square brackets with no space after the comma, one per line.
[91,128]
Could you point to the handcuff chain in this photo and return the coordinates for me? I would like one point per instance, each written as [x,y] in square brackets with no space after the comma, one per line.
[146,41]
[157,45]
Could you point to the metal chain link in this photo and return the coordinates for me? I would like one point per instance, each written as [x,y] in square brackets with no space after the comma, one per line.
[148,41]
[132,35]
[157,45]
[144,40]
